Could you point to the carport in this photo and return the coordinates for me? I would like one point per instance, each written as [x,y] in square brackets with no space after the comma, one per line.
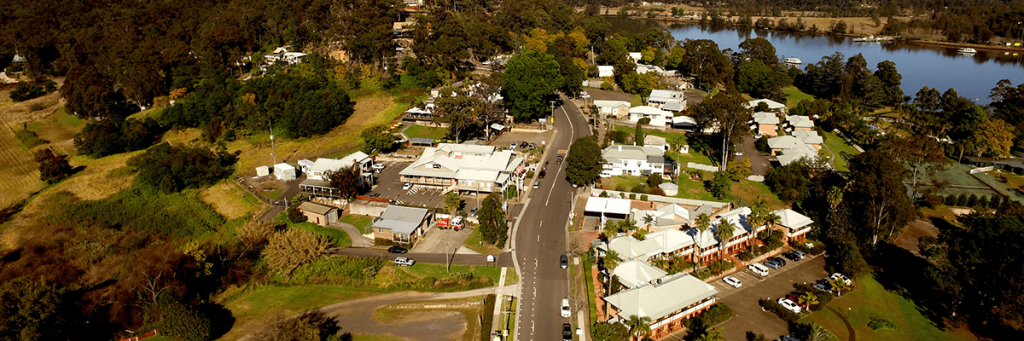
[421,141]
[607,208]
[317,188]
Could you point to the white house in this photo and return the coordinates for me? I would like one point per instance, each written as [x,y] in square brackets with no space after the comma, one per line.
[632,160]
[659,118]
[635,57]
[605,71]
[323,165]
[788,149]
[284,171]
[800,122]
[765,123]
[467,168]
[618,109]
[772,105]
[665,302]
[797,225]
[667,100]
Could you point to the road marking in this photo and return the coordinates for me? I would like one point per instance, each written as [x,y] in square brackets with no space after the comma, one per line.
[538,238]
[541,224]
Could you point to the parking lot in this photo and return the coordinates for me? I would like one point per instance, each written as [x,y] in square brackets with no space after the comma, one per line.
[518,137]
[747,313]
[389,185]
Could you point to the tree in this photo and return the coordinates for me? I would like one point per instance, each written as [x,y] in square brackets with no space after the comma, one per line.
[719,184]
[808,299]
[531,78]
[493,226]
[639,326]
[171,169]
[185,323]
[706,62]
[457,109]
[311,326]
[254,233]
[818,333]
[712,335]
[1008,102]
[610,332]
[725,230]
[727,113]
[347,180]
[452,202]
[878,192]
[611,259]
[994,136]
[584,161]
[366,28]
[702,224]
[759,49]
[53,167]
[292,248]
[891,80]
[378,138]
[921,154]
[31,310]
[638,134]
[759,80]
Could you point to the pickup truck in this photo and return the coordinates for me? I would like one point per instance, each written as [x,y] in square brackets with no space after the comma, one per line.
[403,261]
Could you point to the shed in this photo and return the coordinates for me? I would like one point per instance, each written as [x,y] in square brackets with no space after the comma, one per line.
[305,165]
[422,141]
[320,214]
[262,171]
[605,71]
[284,171]
[608,207]
[669,188]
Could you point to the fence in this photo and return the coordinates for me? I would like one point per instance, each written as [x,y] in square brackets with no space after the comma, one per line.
[983,169]
[701,166]
[249,189]
[143,336]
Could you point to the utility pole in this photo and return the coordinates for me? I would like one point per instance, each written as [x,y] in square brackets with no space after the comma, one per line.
[272,154]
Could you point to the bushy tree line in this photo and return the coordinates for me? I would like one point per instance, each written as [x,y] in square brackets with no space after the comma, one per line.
[116,135]
[171,169]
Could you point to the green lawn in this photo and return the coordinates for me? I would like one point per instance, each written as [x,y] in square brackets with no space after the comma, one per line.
[794,96]
[871,300]
[426,132]
[361,337]
[511,277]
[361,222]
[840,148]
[691,189]
[438,271]
[693,156]
[636,101]
[624,182]
[749,191]
[474,242]
[338,237]
[591,294]
[288,300]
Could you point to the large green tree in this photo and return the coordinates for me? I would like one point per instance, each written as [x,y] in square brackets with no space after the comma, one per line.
[879,195]
[584,161]
[531,78]
[458,109]
[727,113]
[707,63]
[30,309]
[53,167]
[759,49]
[493,225]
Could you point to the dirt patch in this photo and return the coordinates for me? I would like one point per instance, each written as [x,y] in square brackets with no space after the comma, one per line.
[18,168]
[908,240]
[229,200]
[605,95]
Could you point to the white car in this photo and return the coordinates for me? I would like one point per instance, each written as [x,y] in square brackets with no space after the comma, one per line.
[565,308]
[788,304]
[403,261]
[378,166]
[513,145]
[840,277]
[406,186]
[733,281]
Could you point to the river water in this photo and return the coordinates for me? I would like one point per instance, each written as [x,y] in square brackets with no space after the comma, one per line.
[973,76]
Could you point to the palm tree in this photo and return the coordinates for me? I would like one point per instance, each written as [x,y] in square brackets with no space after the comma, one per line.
[726,229]
[808,299]
[647,219]
[639,326]
[839,285]
[712,335]
[611,259]
[702,224]
[819,333]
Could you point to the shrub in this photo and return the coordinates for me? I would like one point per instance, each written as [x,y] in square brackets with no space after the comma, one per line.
[745,255]
[632,196]
[932,200]
[961,200]
[877,324]
[995,202]
[604,194]
[715,315]
[949,200]
[643,197]
[771,238]
[26,91]
[972,200]
[778,310]
[816,249]
[29,138]
[487,318]
[654,179]
[185,323]
[982,202]
[295,215]
[824,297]
[529,174]
[639,188]
[656,191]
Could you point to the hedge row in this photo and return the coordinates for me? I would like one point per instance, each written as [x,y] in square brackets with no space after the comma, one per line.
[824,297]
[963,200]
[715,315]
[778,309]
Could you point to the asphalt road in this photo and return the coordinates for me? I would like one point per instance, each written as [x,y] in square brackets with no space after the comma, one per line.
[503,260]
[541,238]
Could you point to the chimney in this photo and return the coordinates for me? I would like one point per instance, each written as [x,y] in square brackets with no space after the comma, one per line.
[620,148]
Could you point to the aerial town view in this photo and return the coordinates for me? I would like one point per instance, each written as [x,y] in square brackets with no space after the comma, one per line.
[511,170]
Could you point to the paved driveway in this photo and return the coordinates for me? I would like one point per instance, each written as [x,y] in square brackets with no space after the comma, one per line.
[389,185]
[439,240]
[758,163]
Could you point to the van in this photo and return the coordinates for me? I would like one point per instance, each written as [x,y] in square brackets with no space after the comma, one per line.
[759,269]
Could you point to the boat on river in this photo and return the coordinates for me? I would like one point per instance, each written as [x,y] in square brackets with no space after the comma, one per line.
[868,39]
[966,50]
[793,61]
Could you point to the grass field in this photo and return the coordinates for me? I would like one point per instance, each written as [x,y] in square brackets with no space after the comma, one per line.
[691,189]
[511,277]
[287,301]
[361,337]
[361,222]
[872,301]
[231,201]
[693,156]
[842,149]
[409,311]
[438,271]
[435,133]
[18,169]
[623,182]
[474,242]
[746,192]
[794,96]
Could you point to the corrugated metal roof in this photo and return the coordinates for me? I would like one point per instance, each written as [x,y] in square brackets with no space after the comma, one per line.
[659,300]
[315,208]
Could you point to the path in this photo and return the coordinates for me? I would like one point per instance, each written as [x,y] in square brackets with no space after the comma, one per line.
[849,328]
[357,239]
[356,316]
[832,160]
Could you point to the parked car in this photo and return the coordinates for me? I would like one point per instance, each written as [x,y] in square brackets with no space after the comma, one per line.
[536,184]
[378,166]
[772,264]
[823,285]
[559,159]
[788,338]
[733,281]
[779,260]
[375,195]
[840,277]
[533,145]
[788,304]
[406,186]
[799,253]
[397,249]
[791,256]
[566,332]
[403,261]
[513,145]
[542,173]
[565,308]
[563,261]
[758,269]
[472,212]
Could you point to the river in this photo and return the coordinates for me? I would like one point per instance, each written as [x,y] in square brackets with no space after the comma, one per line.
[973,76]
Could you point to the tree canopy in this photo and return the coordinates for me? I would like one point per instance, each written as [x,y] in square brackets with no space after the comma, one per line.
[171,168]
[493,226]
[584,161]
[531,79]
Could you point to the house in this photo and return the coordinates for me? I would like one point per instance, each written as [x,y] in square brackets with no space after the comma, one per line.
[635,273]
[683,122]
[667,100]
[633,160]
[617,109]
[800,122]
[666,302]
[403,225]
[292,57]
[305,165]
[666,242]
[465,168]
[635,57]
[605,71]
[659,118]
[809,137]
[319,214]
[644,68]
[797,225]
[316,182]
[743,232]
[672,215]
[790,148]
[772,105]
[284,171]
[765,123]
